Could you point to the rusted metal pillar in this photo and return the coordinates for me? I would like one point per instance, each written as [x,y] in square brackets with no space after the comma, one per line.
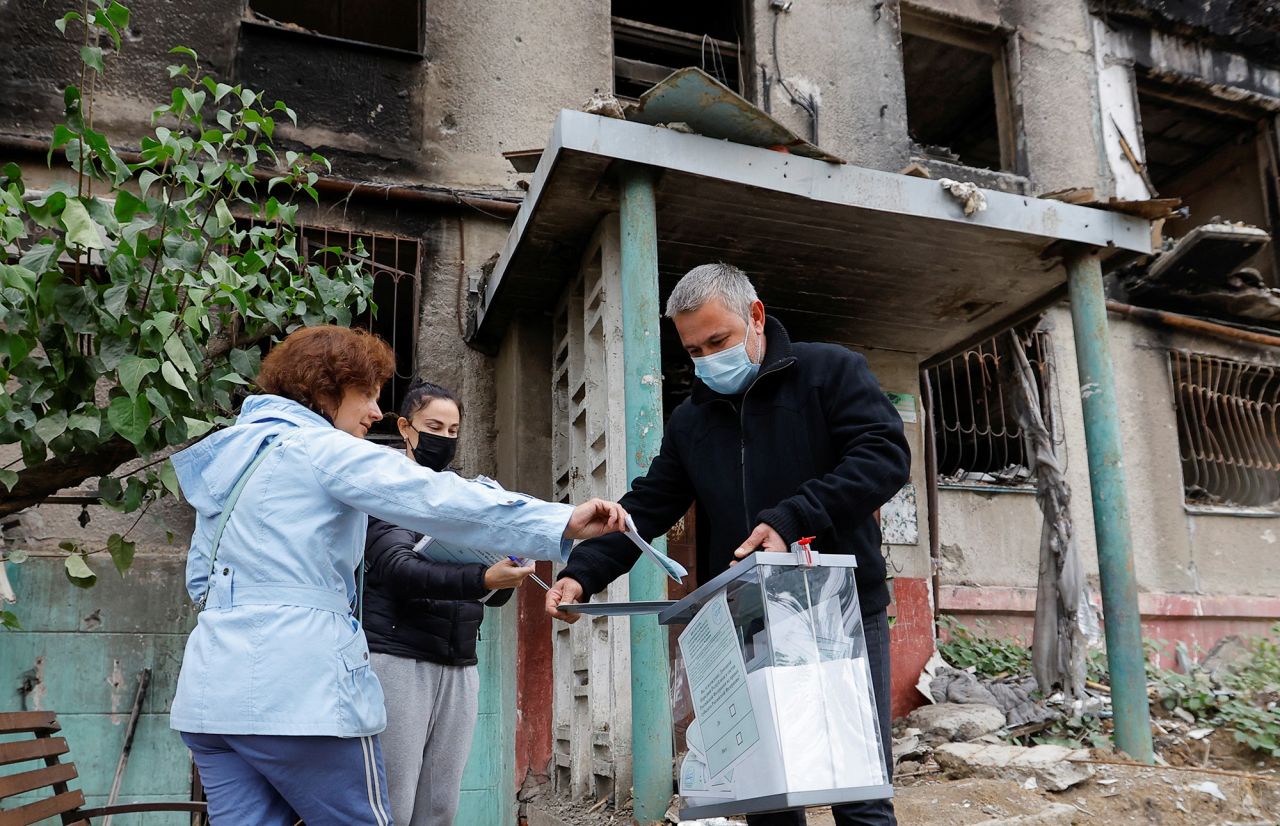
[1126,659]
[652,754]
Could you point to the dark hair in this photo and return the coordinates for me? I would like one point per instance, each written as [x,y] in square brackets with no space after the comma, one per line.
[422,393]
[315,366]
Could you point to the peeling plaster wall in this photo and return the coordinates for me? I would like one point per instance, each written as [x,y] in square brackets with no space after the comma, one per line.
[492,77]
[900,373]
[991,540]
[38,62]
[1176,551]
[499,73]
[1055,93]
[849,55]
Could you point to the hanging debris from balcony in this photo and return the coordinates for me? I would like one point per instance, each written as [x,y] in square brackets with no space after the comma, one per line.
[1063,614]
[1203,273]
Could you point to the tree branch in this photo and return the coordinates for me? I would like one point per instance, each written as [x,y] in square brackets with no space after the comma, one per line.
[35,484]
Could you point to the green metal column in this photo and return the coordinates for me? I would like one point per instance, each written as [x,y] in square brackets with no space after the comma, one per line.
[642,365]
[1126,658]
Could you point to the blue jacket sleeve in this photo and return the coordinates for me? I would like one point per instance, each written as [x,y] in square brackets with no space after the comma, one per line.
[656,502]
[387,485]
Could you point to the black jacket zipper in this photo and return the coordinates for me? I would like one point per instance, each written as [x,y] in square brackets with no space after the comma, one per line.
[742,440]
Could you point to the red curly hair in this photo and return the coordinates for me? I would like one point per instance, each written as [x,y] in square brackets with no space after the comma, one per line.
[315,366]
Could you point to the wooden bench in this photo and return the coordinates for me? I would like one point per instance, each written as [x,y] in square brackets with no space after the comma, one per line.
[62,802]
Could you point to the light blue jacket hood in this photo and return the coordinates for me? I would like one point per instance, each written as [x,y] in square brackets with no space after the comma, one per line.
[209,469]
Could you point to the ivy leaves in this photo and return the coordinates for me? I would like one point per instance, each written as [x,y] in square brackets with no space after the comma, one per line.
[136,300]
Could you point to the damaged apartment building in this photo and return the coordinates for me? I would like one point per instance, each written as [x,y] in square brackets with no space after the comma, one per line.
[1157,117]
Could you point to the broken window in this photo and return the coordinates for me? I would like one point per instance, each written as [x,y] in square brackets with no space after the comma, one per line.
[1227,436]
[958,104]
[394,24]
[1219,158]
[653,38]
[974,413]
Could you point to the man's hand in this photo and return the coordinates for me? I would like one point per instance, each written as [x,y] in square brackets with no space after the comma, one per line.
[566,591]
[595,517]
[763,537]
[506,574]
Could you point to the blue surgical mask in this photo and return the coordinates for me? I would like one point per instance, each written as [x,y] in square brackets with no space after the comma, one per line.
[729,371]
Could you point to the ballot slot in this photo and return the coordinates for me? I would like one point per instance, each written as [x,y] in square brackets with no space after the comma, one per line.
[771,690]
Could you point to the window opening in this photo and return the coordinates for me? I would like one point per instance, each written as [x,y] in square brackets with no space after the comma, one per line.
[1227,430]
[394,24]
[1217,159]
[653,38]
[958,103]
[975,420]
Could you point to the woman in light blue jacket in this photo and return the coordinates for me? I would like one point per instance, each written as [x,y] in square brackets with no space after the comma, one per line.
[275,698]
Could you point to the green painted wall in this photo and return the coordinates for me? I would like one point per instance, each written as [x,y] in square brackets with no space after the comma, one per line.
[488,784]
[80,653]
[82,650]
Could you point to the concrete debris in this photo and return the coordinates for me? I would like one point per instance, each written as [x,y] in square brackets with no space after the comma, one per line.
[1055,814]
[1008,475]
[909,745]
[956,721]
[1030,784]
[1200,733]
[604,104]
[1050,766]
[1206,272]
[1208,787]
[678,126]
[924,684]
[968,194]
[1223,657]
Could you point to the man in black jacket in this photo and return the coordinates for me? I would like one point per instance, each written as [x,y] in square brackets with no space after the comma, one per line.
[778,441]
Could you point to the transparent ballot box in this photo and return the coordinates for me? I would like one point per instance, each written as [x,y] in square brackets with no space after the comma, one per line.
[771,690]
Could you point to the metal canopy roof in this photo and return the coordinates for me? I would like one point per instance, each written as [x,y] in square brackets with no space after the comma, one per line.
[838,252]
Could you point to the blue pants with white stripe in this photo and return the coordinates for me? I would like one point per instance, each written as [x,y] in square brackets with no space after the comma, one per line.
[272,780]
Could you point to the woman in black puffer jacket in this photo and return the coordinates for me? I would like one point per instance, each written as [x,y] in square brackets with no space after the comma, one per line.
[422,619]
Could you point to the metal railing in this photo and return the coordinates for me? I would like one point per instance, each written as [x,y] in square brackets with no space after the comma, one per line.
[1228,434]
[975,421]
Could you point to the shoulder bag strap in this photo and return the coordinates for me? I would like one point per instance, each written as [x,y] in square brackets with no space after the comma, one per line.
[232,498]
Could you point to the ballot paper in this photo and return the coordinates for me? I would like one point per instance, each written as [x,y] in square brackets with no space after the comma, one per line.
[437,551]
[693,739]
[718,686]
[696,785]
[817,730]
[672,568]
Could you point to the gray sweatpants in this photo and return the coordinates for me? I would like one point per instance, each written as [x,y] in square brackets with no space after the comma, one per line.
[431,715]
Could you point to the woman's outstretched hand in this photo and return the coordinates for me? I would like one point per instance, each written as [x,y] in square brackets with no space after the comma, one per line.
[595,517]
[506,574]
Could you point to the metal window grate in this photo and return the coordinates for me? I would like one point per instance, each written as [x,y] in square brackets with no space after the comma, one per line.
[976,430]
[1228,439]
[396,264]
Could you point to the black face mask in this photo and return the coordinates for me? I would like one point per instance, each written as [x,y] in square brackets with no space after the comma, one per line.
[435,452]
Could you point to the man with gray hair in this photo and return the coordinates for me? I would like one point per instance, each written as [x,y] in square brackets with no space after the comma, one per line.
[777,441]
